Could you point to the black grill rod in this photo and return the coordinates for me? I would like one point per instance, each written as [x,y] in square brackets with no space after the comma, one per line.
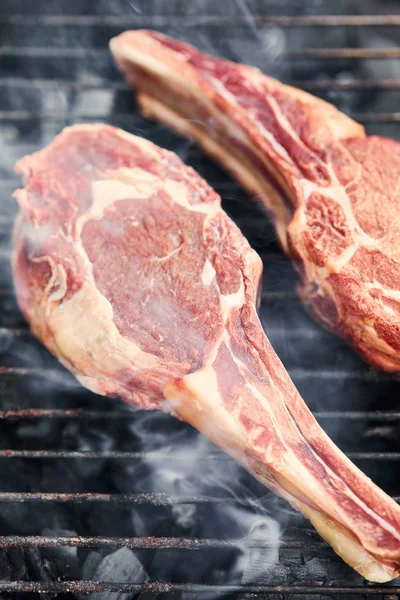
[150,542]
[158,587]
[163,454]
[298,374]
[137,21]
[89,414]
[317,84]
[136,121]
[153,498]
[308,53]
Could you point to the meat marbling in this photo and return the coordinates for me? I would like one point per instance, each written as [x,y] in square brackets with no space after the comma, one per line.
[332,192]
[129,271]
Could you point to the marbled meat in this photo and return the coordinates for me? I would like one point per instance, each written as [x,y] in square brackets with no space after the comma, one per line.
[129,271]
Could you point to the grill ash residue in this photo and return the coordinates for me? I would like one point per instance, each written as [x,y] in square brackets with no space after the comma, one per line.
[177,460]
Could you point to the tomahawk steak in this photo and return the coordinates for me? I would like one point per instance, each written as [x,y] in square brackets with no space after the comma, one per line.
[332,192]
[129,271]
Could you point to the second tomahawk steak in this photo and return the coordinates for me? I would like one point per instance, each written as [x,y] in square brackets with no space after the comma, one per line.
[129,271]
[332,192]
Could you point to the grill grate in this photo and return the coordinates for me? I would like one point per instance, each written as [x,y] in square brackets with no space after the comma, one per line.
[47,82]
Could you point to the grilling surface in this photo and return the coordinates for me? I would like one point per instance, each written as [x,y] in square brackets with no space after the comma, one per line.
[90,490]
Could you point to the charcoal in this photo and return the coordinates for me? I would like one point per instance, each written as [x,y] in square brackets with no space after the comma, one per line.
[6,340]
[63,560]
[5,565]
[90,565]
[39,570]
[17,560]
[121,566]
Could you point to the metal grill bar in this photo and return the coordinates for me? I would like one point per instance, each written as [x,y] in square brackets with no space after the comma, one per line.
[6,292]
[127,20]
[158,587]
[342,374]
[150,542]
[55,84]
[161,454]
[93,455]
[52,52]
[147,543]
[26,371]
[16,331]
[309,53]
[329,53]
[23,115]
[66,413]
[343,84]
[136,121]
[311,84]
[298,374]
[356,415]
[122,413]
[152,499]
[376,117]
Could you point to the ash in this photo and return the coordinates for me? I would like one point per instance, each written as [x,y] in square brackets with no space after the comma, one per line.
[46,91]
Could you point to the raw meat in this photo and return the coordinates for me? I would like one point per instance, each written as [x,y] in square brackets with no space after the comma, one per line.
[332,192]
[129,271]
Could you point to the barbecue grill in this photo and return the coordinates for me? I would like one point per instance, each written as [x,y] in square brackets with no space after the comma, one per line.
[97,497]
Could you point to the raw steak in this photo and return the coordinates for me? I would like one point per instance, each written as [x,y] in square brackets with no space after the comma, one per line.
[129,271]
[332,192]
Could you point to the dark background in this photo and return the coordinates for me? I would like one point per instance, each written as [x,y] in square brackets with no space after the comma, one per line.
[55,70]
